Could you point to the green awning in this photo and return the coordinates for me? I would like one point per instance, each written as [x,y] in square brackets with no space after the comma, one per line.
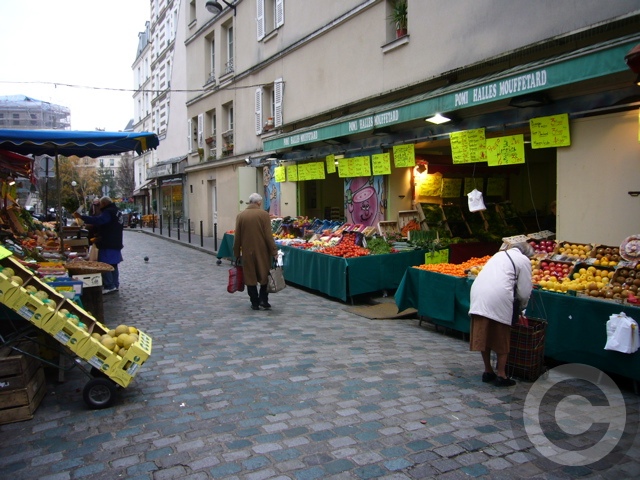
[587,63]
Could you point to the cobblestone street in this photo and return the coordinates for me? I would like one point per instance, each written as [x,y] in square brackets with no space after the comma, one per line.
[303,391]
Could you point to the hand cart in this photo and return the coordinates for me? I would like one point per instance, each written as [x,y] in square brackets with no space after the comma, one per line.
[75,331]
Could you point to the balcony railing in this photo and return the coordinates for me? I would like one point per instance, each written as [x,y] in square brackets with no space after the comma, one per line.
[228,67]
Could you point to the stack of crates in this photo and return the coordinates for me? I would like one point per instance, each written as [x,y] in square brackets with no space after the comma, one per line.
[22,384]
[70,324]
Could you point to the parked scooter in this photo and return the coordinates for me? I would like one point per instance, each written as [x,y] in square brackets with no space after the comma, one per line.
[133,220]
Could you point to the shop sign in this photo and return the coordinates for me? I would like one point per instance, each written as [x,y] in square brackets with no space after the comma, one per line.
[596,63]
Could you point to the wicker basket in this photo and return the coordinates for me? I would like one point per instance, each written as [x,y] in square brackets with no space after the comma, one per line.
[82,267]
[526,356]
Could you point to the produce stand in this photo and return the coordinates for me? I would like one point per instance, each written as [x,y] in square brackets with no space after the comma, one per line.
[77,331]
[576,328]
[340,277]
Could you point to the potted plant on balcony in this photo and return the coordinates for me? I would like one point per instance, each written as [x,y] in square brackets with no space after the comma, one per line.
[399,17]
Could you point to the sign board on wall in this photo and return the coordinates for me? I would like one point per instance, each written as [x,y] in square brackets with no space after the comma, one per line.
[551,131]
[508,150]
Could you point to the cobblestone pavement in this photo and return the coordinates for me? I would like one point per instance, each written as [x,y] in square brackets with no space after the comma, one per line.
[304,391]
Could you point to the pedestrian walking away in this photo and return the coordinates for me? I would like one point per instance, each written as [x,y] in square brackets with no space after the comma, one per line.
[108,226]
[256,249]
[504,280]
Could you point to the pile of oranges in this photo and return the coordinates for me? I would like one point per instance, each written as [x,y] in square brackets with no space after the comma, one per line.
[455,269]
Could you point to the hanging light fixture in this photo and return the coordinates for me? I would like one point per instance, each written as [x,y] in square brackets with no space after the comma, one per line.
[214,6]
[437,119]
[11,181]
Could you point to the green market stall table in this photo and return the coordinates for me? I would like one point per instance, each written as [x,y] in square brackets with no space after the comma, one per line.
[442,299]
[576,331]
[341,277]
[576,328]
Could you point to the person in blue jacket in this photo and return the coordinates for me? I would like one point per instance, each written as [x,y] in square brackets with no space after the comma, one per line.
[108,227]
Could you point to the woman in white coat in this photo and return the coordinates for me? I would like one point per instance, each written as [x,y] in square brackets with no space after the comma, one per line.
[492,302]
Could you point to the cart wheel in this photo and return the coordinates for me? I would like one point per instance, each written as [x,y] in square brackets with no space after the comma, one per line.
[218,262]
[99,393]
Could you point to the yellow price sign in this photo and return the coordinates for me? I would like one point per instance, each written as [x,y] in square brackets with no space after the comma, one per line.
[330,160]
[507,150]
[381,164]
[279,174]
[468,146]
[451,187]
[317,170]
[292,173]
[551,131]
[404,156]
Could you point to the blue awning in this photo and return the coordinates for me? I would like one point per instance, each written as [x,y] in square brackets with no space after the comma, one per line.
[80,143]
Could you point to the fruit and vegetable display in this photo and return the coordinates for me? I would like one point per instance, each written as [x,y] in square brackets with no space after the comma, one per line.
[596,271]
[471,266]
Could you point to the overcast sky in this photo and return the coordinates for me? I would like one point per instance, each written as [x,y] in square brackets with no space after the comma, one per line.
[86,43]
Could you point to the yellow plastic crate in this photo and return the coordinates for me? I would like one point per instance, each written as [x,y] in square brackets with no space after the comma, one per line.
[29,307]
[70,335]
[6,287]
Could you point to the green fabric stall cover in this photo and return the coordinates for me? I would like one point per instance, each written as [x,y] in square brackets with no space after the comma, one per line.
[324,273]
[443,299]
[374,273]
[576,331]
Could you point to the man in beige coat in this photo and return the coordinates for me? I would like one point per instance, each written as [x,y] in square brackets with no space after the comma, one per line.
[254,245]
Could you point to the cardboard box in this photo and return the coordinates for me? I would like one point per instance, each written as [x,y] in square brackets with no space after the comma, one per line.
[89,280]
[74,286]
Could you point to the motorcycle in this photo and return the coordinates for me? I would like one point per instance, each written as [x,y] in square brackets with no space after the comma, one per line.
[133,220]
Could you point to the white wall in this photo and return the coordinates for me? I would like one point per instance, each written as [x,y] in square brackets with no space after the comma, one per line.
[594,176]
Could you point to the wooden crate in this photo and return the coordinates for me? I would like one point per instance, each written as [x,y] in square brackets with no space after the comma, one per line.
[14,365]
[386,227]
[20,404]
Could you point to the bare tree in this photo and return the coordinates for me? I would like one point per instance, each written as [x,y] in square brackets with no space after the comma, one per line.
[125,176]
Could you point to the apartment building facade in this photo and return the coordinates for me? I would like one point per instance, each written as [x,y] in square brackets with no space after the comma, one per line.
[284,83]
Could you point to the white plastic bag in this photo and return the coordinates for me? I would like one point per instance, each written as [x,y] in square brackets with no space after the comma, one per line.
[476,204]
[622,334]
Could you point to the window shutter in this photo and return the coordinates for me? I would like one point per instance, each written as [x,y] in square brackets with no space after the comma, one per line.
[201,130]
[279,13]
[189,136]
[260,19]
[278,87]
[258,111]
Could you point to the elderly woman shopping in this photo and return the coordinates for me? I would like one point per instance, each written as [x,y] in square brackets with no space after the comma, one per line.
[504,280]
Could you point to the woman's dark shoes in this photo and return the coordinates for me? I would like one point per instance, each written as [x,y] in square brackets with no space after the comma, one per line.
[265,305]
[254,306]
[488,377]
[504,382]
